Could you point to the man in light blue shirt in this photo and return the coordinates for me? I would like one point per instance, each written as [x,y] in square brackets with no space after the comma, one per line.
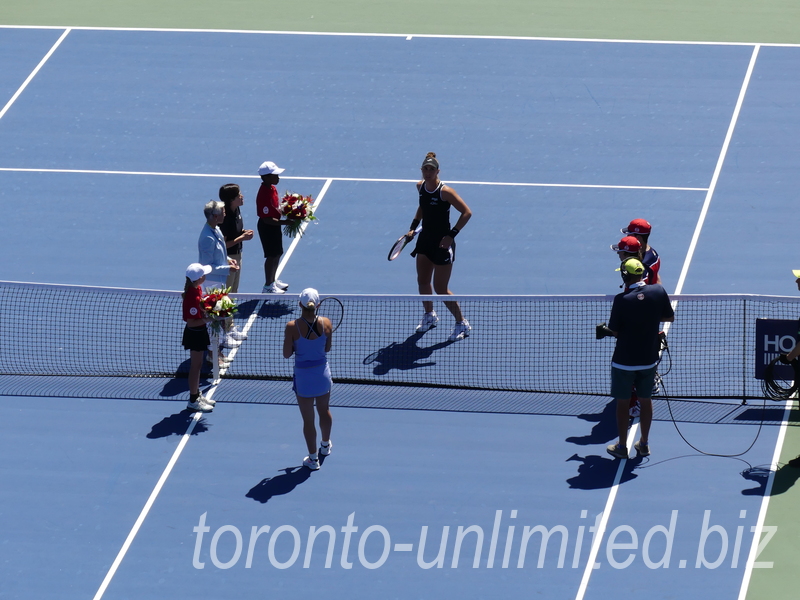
[213,252]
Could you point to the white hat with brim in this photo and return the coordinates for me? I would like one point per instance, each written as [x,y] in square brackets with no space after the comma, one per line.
[269,168]
[309,298]
[195,271]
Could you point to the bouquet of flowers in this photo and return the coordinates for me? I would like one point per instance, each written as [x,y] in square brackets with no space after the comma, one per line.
[218,306]
[297,209]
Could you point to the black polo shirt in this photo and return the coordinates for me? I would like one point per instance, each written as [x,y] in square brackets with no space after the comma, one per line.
[636,315]
[232,228]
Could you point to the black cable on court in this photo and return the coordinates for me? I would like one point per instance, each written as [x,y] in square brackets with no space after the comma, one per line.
[665,351]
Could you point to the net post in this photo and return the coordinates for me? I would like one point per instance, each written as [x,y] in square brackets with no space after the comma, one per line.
[744,351]
[215,355]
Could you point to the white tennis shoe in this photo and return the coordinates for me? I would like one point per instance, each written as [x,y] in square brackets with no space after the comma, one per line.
[325,450]
[200,405]
[428,322]
[311,463]
[273,288]
[237,334]
[228,341]
[460,331]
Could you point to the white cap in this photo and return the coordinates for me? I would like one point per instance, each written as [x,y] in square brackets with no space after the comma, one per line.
[269,168]
[195,271]
[309,298]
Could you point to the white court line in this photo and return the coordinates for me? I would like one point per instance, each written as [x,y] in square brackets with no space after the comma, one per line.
[296,239]
[33,73]
[597,538]
[408,36]
[355,179]
[251,319]
[762,513]
[713,186]
[148,505]
[195,418]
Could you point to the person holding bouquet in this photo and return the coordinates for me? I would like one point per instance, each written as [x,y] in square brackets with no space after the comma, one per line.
[269,226]
[436,245]
[213,251]
[309,339]
[195,333]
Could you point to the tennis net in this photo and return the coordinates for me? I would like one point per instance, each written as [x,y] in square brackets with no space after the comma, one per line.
[517,343]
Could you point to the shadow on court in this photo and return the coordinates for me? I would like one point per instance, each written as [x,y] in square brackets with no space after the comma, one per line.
[177,424]
[179,384]
[280,484]
[597,472]
[785,478]
[604,431]
[403,356]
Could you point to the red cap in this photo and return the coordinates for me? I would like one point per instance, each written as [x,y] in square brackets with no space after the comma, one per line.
[637,226]
[627,244]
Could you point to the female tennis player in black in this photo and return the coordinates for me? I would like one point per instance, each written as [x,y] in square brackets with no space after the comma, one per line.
[436,247]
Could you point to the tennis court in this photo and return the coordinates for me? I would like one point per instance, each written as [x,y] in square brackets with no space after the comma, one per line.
[114,138]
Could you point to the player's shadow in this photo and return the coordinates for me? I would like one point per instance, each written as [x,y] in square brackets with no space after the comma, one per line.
[275,309]
[280,484]
[604,431]
[785,478]
[598,472]
[403,356]
[179,384]
[177,424]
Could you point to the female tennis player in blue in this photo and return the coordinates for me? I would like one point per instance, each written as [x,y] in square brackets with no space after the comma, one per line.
[436,247]
[309,338]
[195,333]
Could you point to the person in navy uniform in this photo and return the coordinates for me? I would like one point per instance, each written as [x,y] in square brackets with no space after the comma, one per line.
[435,251]
[636,315]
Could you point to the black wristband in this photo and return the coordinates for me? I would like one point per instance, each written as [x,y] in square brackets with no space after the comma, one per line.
[414,225]
[453,232]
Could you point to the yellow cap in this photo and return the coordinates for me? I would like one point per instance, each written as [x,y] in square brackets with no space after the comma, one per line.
[796,273]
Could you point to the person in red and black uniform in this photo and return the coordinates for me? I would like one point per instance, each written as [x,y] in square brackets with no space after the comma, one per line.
[195,333]
[641,229]
[631,247]
[269,226]
[436,247]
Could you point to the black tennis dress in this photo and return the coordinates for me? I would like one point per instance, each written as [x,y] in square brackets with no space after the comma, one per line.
[435,225]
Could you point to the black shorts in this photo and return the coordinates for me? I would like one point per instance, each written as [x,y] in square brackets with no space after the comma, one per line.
[271,238]
[196,338]
[438,256]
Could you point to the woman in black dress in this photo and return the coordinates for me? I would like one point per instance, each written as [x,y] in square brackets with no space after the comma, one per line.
[436,247]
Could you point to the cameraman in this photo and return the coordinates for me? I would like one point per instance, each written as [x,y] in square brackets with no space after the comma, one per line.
[635,318]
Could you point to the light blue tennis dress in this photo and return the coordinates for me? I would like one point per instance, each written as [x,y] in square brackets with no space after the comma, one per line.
[312,375]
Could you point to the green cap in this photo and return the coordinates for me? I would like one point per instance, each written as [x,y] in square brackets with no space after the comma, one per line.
[632,266]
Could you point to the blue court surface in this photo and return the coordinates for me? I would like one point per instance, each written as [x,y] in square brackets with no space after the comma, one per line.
[111,141]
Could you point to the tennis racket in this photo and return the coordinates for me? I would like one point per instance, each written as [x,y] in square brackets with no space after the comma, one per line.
[401,243]
[333,309]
